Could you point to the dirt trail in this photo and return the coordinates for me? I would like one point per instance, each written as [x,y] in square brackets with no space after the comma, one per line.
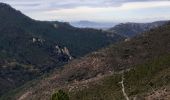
[123,88]
[24,96]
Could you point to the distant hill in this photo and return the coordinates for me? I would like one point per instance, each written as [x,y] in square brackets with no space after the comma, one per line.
[90,24]
[133,29]
[29,48]
[143,61]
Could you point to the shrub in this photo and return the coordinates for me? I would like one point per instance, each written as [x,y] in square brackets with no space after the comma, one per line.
[60,95]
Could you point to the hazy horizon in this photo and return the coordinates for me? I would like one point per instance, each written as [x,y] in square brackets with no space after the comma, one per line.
[113,11]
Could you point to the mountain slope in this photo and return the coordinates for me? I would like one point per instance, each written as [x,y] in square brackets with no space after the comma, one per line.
[148,81]
[62,33]
[144,59]
[133,29]
[30,48]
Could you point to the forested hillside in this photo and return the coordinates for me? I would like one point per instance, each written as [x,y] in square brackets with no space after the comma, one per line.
[143,62]
[29,48]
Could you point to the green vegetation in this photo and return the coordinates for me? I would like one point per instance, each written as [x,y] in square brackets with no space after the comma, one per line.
[28,47]
[28,50]
[147,56]
[60,95]
[138,81]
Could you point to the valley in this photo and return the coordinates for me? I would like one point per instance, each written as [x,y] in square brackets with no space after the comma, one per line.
[142,60]
[43,60]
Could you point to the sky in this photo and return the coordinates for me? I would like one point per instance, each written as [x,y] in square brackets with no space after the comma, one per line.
[94,10]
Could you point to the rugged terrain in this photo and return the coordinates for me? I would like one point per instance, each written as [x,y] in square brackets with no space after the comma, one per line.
[31,48]
[142,61]
[39,57]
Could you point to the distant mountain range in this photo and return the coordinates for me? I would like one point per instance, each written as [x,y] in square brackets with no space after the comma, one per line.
[90,24]
[128,29]
[133,29]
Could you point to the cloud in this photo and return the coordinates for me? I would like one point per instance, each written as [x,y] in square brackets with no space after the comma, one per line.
[99,10]
[135,10]
[65,4]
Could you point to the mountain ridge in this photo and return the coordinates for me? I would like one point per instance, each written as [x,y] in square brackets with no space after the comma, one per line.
[131,29]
